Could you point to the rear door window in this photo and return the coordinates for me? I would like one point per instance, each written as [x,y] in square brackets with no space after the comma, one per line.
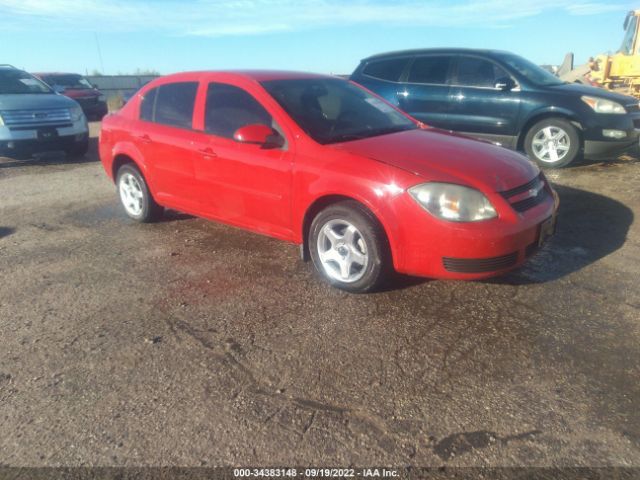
[433,69]
[477,72]
[390,69]
[148,105]
[174,104]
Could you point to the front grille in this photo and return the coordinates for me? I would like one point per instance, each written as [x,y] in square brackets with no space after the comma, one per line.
[53,125]
[636,123]
[524,205]
[87,102]
[479,265]
[524,197]
[19,118]
[531,249]
[632,107]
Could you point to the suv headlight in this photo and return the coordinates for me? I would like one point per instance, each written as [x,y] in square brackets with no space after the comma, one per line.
[76,113]
[600,105]
[453,202]
[1,121]
[101,98]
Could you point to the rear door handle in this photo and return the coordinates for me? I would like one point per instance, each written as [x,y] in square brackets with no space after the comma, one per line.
[144,138]
[207,153]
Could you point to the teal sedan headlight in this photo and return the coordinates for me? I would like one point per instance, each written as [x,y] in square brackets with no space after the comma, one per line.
[602,105]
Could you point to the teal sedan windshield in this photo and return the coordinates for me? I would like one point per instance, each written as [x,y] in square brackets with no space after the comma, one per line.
[531,71]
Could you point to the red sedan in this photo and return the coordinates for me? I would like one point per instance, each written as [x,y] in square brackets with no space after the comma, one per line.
[321,162]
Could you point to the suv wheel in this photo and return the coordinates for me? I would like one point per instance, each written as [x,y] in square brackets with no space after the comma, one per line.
[348,247]
[135,196]
[552,143]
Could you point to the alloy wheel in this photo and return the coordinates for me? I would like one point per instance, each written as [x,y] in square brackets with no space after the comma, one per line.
[342,251]
[551,144]
[131,194]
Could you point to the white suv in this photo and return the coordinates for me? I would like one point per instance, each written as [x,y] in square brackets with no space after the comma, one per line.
[35,119]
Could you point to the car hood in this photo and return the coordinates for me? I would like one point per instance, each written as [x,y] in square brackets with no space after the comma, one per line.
[579,90]
[34,101]
[81,93]
[433,153]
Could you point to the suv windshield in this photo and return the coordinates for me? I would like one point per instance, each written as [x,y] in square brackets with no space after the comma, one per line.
[529,70]
[17,81]
[332,110]
[75,82]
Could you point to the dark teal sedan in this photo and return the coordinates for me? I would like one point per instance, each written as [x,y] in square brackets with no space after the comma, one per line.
[506,99]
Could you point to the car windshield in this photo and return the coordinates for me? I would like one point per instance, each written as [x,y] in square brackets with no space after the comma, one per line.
[332,110]
[75,82]
[530,70]
[17,81]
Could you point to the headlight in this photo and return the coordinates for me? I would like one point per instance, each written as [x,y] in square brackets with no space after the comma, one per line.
[1,121]
[600,105]
[76,114]
[102,98]
[453,202]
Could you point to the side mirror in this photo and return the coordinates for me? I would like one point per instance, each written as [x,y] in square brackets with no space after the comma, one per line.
[505,84]
[58,89]
[258,134]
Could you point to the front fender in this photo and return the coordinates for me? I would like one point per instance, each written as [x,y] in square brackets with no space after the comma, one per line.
[380,192]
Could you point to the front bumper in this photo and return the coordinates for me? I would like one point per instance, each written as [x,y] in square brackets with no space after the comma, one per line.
[596,145]
[470,251]
[607,149]
[25,141]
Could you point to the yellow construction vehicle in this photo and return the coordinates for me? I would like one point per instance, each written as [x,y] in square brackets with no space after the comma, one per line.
[619,71]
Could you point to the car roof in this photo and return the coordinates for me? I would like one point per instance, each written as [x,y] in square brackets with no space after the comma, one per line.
[53,74]
[256,75]
[419,51]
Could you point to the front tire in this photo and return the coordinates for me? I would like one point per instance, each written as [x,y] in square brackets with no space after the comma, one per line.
[135,196]
[552,143]
[348,247]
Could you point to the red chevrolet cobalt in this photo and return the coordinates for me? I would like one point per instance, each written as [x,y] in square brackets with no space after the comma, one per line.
[321,162]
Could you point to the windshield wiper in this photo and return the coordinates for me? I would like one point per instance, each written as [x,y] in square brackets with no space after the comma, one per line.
[345,137]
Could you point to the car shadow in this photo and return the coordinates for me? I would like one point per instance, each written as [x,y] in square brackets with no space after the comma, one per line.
[6,231]
[52,158]
[622,159]
[399,281]
[174,216]
[590,227]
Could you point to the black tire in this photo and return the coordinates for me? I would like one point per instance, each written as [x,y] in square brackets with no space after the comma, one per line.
[149,210]
[79,149]
[369,237]
[536,135]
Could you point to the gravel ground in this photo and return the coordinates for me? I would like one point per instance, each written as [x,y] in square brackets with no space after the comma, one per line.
[190,343]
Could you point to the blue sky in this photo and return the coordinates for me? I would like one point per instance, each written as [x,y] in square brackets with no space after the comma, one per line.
[328,36]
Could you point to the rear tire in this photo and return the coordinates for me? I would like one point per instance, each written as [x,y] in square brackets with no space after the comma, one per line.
[135,197]
[552,143]
[349,247]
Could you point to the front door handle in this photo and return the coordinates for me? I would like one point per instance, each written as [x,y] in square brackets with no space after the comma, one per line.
[207,153]
[144,138]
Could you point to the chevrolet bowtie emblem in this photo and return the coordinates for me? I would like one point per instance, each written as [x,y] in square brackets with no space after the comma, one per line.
[533,192]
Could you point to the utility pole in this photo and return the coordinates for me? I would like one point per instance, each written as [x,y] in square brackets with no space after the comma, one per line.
[99,53]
